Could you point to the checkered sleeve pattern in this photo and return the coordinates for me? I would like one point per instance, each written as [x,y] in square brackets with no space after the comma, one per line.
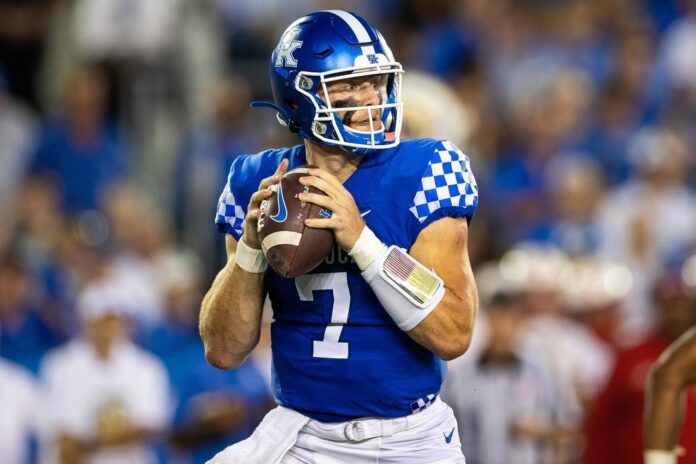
[446,182]
[230,215]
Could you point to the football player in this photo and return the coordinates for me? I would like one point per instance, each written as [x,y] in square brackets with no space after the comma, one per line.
[672,374]
[360,343]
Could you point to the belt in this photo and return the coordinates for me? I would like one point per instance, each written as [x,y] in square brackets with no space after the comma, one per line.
[364,429]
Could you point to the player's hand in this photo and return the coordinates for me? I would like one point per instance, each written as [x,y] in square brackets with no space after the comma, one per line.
[345,221]
[251,235]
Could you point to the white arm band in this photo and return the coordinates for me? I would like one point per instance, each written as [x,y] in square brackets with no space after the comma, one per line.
[249,259]
[660,457]
[407,290]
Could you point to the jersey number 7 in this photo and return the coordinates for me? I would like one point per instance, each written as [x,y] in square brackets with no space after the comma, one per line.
[337,282]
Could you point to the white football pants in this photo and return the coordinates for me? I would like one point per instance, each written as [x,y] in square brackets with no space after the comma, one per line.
[427,437]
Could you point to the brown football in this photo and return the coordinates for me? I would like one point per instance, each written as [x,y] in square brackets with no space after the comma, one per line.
[293,249]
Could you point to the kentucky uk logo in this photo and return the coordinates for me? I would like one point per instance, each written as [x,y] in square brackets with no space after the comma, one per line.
[282,213]
[285,49]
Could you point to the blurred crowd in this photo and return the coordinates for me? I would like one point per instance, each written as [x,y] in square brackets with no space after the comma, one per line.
[118,122]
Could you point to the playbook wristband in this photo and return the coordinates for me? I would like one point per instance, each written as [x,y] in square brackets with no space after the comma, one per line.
[407,290]
[250,259]
[660,457]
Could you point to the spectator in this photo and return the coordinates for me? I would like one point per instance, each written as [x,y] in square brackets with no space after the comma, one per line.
[107,399]
[19,403]
[580,361]
[614,426]
[38,234]
[123,30]
[593,293]
[81,149]
[442,43]
[545,120]
[24,336]
[679,50]
[213,409]
[608,134]
[17,133]
[650,220]
[206,157]
[577,188]
[521,429]
[675,87]
[142,258]
[175,339]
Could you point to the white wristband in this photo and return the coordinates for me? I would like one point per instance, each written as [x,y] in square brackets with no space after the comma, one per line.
[366,249]
[250,259]
[660,457]
[406,289]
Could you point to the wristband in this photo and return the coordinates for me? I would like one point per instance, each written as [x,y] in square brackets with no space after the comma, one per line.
[660,457]
[366,249]
[407,290]
[250,259]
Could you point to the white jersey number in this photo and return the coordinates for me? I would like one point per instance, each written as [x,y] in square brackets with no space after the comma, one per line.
[337,282]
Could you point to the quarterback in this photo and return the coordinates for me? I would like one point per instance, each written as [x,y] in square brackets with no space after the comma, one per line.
[359,346]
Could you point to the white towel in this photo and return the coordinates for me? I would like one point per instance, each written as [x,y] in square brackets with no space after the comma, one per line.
[274,436]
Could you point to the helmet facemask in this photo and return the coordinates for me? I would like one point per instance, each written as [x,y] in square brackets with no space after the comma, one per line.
[333,115]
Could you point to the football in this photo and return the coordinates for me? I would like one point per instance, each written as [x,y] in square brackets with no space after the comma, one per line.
[293,249]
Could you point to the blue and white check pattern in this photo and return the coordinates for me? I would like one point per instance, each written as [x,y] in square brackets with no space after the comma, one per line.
[421,403]
[447,181]
[229,211]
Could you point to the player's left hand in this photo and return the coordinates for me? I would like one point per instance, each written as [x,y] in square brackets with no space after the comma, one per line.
[345,221]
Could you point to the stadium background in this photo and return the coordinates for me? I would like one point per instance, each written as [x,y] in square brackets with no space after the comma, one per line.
[119,118]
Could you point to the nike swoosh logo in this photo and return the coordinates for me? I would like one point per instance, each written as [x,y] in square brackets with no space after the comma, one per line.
[448,438]
[365,213]
[282,213]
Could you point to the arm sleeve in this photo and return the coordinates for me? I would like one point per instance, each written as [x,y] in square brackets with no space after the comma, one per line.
[447,187]
[231,210]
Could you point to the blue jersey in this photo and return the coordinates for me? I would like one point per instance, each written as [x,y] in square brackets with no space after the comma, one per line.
[337,355]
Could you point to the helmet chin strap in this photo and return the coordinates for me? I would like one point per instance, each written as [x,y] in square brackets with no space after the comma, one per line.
[282,115]
[264,104]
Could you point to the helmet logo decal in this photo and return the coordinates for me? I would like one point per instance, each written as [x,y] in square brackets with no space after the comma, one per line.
[373,59]
[282,213]
[286,48]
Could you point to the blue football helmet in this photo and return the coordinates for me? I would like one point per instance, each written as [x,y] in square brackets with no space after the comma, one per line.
[325,47]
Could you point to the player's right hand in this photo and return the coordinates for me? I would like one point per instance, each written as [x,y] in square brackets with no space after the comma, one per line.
[251,235]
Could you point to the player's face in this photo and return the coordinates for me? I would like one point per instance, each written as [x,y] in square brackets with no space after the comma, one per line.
[358,91]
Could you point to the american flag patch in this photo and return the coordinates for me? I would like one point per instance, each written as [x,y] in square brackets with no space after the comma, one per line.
[412,277]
